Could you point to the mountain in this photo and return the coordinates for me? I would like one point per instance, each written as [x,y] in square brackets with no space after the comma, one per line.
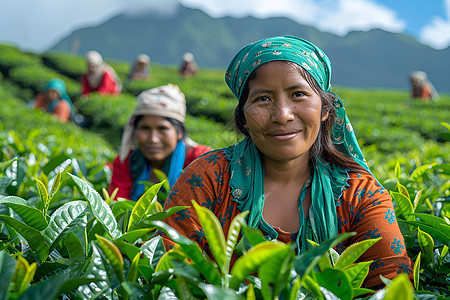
[360,59]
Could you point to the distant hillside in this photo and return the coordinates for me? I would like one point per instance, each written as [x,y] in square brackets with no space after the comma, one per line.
[361,59]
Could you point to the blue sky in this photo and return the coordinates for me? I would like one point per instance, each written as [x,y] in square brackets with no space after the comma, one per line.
[36,25]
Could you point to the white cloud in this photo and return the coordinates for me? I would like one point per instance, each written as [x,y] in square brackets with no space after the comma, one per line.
[335,16]
[437,33]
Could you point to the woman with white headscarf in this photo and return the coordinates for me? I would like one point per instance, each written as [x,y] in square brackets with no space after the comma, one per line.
[154,137]
[100,77]
[421,87]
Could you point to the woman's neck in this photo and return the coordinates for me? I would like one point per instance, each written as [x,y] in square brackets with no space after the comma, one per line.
[287,172]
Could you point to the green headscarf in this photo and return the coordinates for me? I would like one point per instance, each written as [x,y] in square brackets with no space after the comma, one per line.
[247,171]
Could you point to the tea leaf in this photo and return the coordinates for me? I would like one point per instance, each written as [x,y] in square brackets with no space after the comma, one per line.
[353,252]
[417,271]
[144,205]
[7,268]
[214,234]
[33,236]
[113,255]
[426,244]
[335,281]
[32,216]
[23,275]
[43,194]
[56,184]
[99,208]
[63,220]
[400,288]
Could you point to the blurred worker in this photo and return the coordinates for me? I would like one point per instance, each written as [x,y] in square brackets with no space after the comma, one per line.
[140,68]
[421,87]
[54,100]
[100,77]
[188,67]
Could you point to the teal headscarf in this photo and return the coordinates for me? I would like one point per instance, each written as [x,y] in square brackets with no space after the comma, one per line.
[247,171]
[59,86]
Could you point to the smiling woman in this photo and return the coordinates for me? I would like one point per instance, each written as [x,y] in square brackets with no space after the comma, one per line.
[154,138]
[299,171]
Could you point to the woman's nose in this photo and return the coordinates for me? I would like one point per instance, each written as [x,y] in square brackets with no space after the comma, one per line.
[282,112]
[154,137]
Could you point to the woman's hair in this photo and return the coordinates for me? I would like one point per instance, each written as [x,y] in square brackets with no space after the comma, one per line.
[323,147]
[179,126]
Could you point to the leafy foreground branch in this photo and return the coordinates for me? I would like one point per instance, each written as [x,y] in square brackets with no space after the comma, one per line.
[88,248]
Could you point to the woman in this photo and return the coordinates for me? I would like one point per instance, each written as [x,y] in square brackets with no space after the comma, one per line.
[299,170]
[156,125]
[421,87]
[54,100]
[188,67]
[140,68]
[100,77]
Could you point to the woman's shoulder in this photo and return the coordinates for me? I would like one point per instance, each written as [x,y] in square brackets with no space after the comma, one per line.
[209,160]
[362,185]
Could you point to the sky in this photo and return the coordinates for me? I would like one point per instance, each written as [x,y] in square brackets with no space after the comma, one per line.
[36,25]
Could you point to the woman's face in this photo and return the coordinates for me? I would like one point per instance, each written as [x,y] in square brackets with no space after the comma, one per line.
[282,112]
[51,95]
[157,138]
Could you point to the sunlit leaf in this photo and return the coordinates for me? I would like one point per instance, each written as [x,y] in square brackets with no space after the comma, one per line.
[417,271]
[274,273]
[143,206]
[426,244]
[64,219]
[30,215]
[232,237]
[153,250]
[99,208]
[5,164]
[417,199]
[420,171]
[214,234]
[357,273]
[250,262]
[113,255]
[23,274]
[405,205]
[43,194]
[353,252]
[397,170]
[56,185]
[401,288]
[133,271]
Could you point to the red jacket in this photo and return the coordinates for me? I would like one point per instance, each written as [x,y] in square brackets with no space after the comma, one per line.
[107,86]
[122,178]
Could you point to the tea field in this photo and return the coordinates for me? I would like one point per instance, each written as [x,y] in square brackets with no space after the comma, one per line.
[61,235]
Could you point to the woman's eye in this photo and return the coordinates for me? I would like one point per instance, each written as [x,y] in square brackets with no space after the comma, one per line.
[262,98]
[299,94]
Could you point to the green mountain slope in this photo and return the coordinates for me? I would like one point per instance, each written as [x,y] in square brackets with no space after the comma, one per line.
[360,59]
